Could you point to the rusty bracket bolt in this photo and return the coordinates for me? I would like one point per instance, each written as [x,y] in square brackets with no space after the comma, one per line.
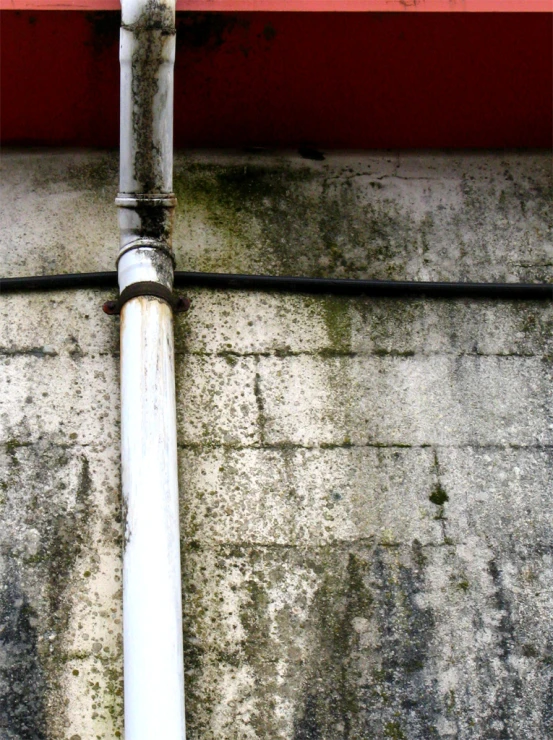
[111,308]
[181,304]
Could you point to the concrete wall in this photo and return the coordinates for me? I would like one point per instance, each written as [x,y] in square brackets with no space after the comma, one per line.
[366,496]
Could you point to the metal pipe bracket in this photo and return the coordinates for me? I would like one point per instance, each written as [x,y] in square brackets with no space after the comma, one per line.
[179,304]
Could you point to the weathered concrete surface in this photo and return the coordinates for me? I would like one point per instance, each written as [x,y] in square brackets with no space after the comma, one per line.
[383,215]
[366,484]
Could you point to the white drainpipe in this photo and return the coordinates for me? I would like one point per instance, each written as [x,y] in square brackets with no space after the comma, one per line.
[152,612]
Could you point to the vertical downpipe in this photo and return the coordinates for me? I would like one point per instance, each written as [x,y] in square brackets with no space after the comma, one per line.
[152,613]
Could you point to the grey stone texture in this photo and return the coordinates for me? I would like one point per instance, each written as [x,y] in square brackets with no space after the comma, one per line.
[366,485]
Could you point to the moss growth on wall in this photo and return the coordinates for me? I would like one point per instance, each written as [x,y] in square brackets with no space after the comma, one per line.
[282,217]
[337,317]
[439,495]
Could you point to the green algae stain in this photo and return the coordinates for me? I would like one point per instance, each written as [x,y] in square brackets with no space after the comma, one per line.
[12,446]
[261,652]
[251,207]
[97,175]
[113,691]
[67,541]
[254,618]
[393,730]
[336,314]
[280,217]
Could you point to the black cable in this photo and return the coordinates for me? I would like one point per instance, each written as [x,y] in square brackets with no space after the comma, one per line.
[393,288]
[59,282]
[287,284]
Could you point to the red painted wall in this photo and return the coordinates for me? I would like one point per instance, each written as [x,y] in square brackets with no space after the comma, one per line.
[281,79]
[388,6]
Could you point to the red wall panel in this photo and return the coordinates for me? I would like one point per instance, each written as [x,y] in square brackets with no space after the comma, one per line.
[388,6]
[282,79]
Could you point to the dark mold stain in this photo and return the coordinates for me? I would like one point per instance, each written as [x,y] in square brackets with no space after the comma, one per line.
[314,220]
[98,175]
[547,664]
[104,30]
[259,650]
[269,32]
[156,222]
[125,522]
[153,31]
[509,690]
[284,219]
[66,542]
[154,34]
[261,416]
[206,30]
[306,151]
[42,502]
[233,197]
[366,677]
[22,679]
[196,706]
[438,496]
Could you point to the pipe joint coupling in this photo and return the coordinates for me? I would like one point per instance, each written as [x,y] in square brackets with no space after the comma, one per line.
[137,200]
[146,221]
[146,243]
